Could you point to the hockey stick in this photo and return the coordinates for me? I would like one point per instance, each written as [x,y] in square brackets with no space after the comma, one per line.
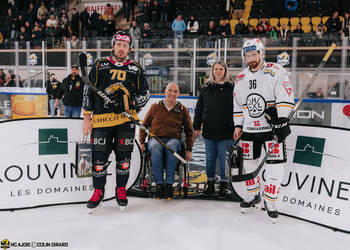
[83,67]
[245,177]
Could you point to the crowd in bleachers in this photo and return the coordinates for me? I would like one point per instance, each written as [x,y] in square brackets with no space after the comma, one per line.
[208,20]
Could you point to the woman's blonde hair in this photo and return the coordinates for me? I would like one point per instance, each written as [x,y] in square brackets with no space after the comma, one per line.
[226,75]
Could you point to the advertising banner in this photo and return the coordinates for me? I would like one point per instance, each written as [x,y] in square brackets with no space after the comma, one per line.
[101,6]
[341,115]
[28,106]
[38,164]
[313,112]
[5,107]
[316,183]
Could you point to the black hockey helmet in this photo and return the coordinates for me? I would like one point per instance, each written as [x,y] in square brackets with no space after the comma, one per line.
[121,35]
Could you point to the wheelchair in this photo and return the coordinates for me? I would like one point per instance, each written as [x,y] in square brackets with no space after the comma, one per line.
[147,182]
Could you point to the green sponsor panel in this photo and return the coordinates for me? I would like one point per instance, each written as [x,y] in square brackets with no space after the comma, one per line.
[53,141]
[309,151]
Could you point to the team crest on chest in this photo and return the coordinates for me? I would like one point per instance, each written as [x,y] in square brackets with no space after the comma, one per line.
[256,105]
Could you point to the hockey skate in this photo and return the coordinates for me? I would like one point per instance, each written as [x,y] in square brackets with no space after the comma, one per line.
[253,203]
[95,200]
[271,211]
[120,195]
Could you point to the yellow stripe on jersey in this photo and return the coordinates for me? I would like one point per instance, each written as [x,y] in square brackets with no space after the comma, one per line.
[285,106]
[112,119]
[238,115]
[270,199]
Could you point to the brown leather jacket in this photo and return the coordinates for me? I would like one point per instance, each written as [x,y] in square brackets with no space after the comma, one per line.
[168,124]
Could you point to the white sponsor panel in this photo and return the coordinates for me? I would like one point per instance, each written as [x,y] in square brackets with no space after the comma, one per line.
[316,184]
[341,115]
[37,164]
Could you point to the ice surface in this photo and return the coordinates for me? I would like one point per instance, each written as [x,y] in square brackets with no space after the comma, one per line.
[150,224]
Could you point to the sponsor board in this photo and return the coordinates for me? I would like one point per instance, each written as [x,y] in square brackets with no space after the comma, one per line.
[101,7]
[5,107]
[28,106]
[316,183]
[38,164]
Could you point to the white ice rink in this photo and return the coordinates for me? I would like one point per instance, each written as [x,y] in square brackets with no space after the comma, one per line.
[148,224]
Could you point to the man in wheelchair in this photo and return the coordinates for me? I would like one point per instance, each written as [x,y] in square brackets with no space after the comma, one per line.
[167,119]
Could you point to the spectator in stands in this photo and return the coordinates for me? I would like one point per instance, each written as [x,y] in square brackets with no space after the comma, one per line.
[192,26]
[261,32]
[319,93]
[155,12]
[319,31]
[334,25]
[131,9]
[9,82]
[291,6]
[42,11]
[110,12]
[31,14]
[53,86]
[178,27]
[141,5]
[42,22]
[85,22]
[29,28]
[211,33]
[240,28]
[52,20]
[75,42]
[298,30]
[72,91]
[51,33]
[23,37]
[147,36]
[251,32]
[20,22]
[74,22]
[2,77]
[167,119]
[64,26]
[63,43]
[273,34]
[110,26]
[224,29]
[94,23]
[238,7]
[37,36]
[135,34]
[164,11]
[284,33]
[265,24]
[346,24]
[10,25]
[101,27]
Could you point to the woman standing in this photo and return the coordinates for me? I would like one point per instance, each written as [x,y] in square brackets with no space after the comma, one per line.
[214,110]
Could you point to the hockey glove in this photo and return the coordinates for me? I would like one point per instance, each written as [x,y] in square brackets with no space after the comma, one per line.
[280,125]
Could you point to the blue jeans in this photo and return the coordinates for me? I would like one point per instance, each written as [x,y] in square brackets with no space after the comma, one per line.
[72,111]
[214,150]
[52,106]
[156,150]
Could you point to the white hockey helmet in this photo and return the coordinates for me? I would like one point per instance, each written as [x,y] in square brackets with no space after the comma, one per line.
[254,44]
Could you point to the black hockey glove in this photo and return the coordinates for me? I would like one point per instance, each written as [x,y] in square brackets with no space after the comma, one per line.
[115,106]
[280,125]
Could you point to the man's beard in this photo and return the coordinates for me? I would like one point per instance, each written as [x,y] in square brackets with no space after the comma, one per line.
[254,64]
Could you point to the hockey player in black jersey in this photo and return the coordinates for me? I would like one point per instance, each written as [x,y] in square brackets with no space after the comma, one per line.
[125,84]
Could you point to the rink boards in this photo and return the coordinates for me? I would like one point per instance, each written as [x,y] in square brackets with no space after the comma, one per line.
[37,168]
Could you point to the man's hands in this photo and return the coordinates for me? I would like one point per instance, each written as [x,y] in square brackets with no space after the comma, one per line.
[87,125]
[237,133]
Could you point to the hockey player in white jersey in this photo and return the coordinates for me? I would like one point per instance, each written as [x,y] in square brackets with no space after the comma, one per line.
[263,99]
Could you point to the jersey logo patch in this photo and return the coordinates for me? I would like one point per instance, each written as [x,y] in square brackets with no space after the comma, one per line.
[287,86]
[269,71]
[256,105]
